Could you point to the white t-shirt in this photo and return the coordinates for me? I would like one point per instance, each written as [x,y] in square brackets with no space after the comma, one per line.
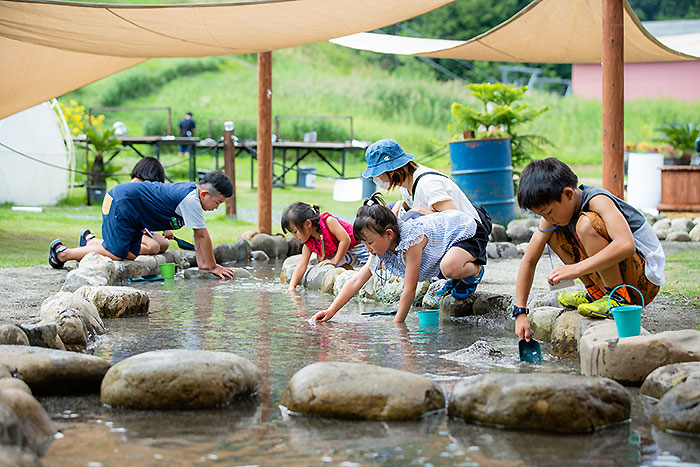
[190,208]
[432,189]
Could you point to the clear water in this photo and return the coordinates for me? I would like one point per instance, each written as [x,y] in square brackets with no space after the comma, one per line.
[258,319]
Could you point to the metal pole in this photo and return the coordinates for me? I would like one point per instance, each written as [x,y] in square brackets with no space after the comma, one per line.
[265,142]
[613,97]
[230,167]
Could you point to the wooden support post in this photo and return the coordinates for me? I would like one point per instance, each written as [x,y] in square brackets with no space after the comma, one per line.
[265,142]
[613,97]
[230,166]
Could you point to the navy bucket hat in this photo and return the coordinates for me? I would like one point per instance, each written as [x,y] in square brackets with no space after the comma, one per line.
[383,156]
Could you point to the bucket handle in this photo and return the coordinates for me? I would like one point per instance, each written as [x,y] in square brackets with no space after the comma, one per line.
[625,285]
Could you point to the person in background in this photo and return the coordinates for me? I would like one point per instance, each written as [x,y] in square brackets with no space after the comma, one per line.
[187,127]
[330,238]
[416,249]
[602,241]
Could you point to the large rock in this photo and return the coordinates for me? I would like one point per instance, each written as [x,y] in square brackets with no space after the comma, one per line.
[521,230]
[53,306]
[37,428]
[115,301]
[313,279]
[682,224]
[12,335]
[14,383]
[388,291]
[329,279]
[565,334]
[498,233]
[664,378]
[539,401]
[678,237]
[41,335]
[479,303]
[10,426]
[694,234]
[97,264]
[679,408]
[179,379]
[288,268]
[498,250]
[243,250]
[70,327]
[274,245]
[294,246]
[542,321]
[631,359]
[78,278]
[259,255]
[205,274]
[49,371]
[354,390]
[11,456]
[225,253]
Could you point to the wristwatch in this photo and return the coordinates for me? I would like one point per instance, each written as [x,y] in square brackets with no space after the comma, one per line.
[517,310]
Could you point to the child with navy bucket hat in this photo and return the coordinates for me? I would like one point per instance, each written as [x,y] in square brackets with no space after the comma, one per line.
[390,166]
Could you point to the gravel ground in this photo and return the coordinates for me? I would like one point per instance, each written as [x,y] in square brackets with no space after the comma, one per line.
[22,290]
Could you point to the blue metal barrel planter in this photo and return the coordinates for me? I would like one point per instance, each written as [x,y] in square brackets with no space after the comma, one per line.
[483,169]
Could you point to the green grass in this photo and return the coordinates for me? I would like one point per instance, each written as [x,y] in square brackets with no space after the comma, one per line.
[682,271]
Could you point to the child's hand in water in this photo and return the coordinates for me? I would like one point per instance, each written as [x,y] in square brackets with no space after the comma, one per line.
[324,315]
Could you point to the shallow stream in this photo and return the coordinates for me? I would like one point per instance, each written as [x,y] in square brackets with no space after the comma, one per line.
[259,320]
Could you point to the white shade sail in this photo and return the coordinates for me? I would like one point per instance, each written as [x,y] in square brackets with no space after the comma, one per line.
[545,31]
[50,48]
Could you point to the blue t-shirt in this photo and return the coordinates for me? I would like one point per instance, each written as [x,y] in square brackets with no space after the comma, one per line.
[187,124]
[151,205]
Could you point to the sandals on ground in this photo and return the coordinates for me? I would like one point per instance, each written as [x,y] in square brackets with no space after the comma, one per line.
[55,248]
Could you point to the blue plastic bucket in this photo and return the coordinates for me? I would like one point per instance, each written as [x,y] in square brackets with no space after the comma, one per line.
[483,169]
[428,317]
[628,318]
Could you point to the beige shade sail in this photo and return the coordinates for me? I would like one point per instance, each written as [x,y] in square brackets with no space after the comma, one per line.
[545,31]
[50,48]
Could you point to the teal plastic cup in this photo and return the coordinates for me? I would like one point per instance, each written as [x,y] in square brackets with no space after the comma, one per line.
[628,318]
[167,270]
[428,317]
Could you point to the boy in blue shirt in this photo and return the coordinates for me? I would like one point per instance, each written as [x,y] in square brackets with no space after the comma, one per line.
[128,208]
[602,241]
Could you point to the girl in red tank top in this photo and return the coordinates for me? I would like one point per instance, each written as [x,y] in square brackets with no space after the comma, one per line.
[330,238]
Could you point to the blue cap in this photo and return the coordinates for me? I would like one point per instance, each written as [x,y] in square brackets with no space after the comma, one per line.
[383,156]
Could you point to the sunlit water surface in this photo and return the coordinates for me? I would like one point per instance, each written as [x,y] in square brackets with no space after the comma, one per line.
[259,320]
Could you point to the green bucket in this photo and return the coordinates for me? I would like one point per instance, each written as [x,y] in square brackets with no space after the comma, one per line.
[628,318]
[167,270]
[428,317]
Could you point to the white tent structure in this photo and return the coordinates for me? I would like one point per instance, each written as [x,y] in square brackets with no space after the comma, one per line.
[39,175]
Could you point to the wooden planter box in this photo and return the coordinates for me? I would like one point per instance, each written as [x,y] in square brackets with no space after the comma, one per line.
[680,188]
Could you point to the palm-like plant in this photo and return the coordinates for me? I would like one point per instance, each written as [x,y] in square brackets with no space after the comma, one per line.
[102,145]
[681,136]
[501,116]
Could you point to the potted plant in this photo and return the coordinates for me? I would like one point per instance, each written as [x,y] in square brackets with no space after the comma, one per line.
[104,146]
[681,136]
[490,145]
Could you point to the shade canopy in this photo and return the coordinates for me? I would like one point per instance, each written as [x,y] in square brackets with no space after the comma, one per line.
[545,31]
[50,48]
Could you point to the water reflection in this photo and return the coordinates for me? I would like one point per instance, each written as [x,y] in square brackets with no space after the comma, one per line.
[260,320]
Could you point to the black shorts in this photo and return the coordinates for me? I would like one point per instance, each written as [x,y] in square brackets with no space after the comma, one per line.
[476,246]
